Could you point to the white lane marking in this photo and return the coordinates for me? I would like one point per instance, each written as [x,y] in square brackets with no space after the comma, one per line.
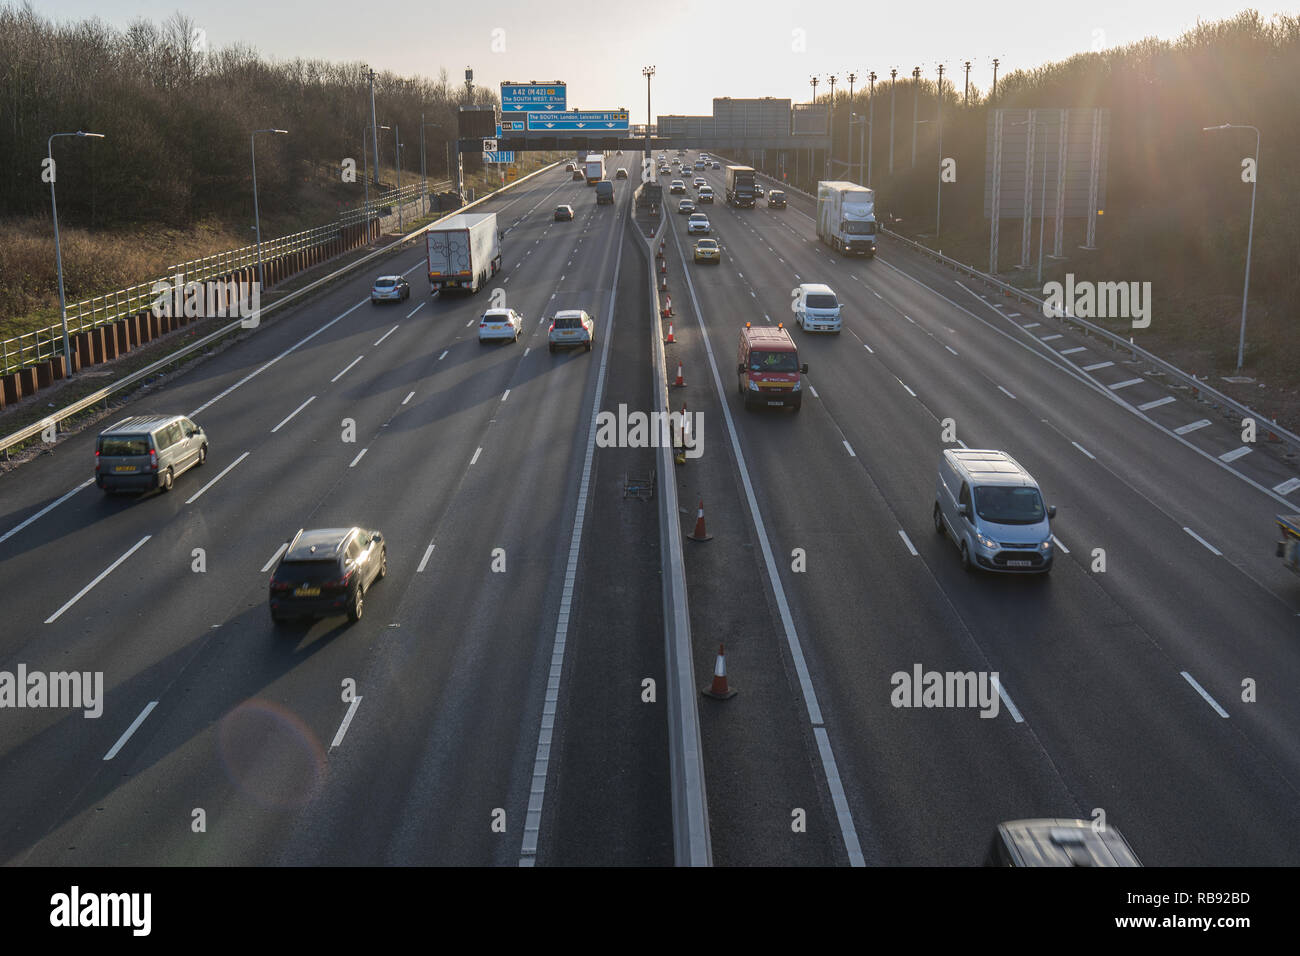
[389,332]
[44,511]
[358,458]
[102,574]
[878,295]
[415,310]
[1077,348]
[293,413]
[868,348]
[347,721]
[409,396]
[1235,454]
[275,557]
[1015,315]
[1193,426]
[1125,384]
[1029,325]
[951,349]
[1147,406]
[910,319]
[478,451]
[904,384]
[1093,368]
[1005,392]
[345,371]
[1084,450]
[527,350]
[1202,691]
[1006,699]
[1057,542]
[1216,551]
[841,803]
[472,321]
[907,541]
[443,355]
[428,553]
[251,375]
[813,390]
[542,757]
[848,830]
[1288,486]
[135,725]
[506,395]
[1051,338]
[849,448]
[195,497]
[962,443]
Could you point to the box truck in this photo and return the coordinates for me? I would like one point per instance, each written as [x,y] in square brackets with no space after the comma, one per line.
[464,251]
[595,168]
[846,218]
[740,186]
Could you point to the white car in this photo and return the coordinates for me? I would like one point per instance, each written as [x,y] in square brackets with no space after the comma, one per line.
[498,324]
[571,328]
[390,289]
[698,223]
[699,181]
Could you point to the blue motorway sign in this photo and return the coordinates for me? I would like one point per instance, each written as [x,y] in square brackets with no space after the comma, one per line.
[501,156]
[587,120]
[522,97]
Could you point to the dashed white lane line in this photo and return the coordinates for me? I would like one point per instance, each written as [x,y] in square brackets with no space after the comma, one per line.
[388,333]
[349,366]
[1147,406]
[904,384]
[849,448]
[293,413]
[1288,486]
[478,451]
[1093,368]
[1006,700]
[1084,450]
[195,497]
[428,553]
[907,541]
[527,350]
[135,725]
[951,349]
[1005,392]
[1191,427]
[1057,542]
[275,557]
[44,511]
[1205,694]
[347,721]
[416,309]
[1217,553]
[1125,384]
[1051,338]
[506,395]
[1235,454]
[358,458]
[409,396]
[443,355]
[1029,325]
[102,574]
[868,348]
[1077,348]
[470,322]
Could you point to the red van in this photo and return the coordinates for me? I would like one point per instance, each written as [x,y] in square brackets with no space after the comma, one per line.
[768,369]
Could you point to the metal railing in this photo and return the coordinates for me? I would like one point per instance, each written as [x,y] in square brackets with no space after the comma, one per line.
[32,348]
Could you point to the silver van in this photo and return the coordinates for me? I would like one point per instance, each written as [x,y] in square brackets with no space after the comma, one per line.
[992,508]
[148,451]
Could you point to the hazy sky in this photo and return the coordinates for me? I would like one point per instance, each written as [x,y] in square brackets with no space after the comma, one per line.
[699,47]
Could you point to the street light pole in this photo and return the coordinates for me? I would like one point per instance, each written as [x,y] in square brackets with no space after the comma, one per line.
[938,199]
[893,81]
[916,102]
[852,76]
[257,215]
[647,72]
[58,248]
[871,120]
[365,175]
[1250,236]
[397,154]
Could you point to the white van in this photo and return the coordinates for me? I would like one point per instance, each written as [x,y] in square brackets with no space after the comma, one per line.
[816,308]
[992,509]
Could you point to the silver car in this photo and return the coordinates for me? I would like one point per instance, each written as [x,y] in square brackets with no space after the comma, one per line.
[571,328]
[698,223]
[390,289]
[498,325]
[992,509]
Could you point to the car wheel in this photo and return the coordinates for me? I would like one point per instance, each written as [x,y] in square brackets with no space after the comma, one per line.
[383,564]
[203,454]
[165,481]
[590,343]
[358,605]
[965,557]
[938,519]
[279,621]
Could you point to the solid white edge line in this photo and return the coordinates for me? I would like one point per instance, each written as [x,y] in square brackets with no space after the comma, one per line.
[358,458]
[135,724]
[838,799]
[102,574]
[275,557]
[1204,693]
[1006,700]
[908,541]
[428,553]
[293,413]
[392,330]
[195,497]
[347,720]
[1217,553]
[44,511]
[345,371]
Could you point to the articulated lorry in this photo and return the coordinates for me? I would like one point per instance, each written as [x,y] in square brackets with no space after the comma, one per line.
[464,251]
[846,218]
[740,186]
[595,168]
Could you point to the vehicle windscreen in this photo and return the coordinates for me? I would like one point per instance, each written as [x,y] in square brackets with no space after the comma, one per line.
[1007,505]
[776,194]
[567,322]
[773,362]
[496,318]
[124,445]
[854,227]
[311,571]
[822,301]
[385,283]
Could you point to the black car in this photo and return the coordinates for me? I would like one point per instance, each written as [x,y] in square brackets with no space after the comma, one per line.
[327,571]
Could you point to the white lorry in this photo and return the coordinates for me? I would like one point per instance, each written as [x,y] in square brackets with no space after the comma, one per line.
[464,251]
[846,218]
[595,168]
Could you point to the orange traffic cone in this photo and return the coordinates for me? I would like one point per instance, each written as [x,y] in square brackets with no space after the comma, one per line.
[669,340]
[668,305]
[663,266]
[699,534]
[660,253]
[663,283]
[680,383]
[718,690]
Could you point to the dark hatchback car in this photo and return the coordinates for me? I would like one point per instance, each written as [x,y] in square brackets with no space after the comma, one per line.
[327,571]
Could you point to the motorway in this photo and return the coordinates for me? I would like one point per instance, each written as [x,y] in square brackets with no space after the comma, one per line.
[1158,690]
[225,742]
[501,719]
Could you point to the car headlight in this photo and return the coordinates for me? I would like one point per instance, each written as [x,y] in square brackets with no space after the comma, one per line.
[1046,545]
[986,541]
[753,385]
